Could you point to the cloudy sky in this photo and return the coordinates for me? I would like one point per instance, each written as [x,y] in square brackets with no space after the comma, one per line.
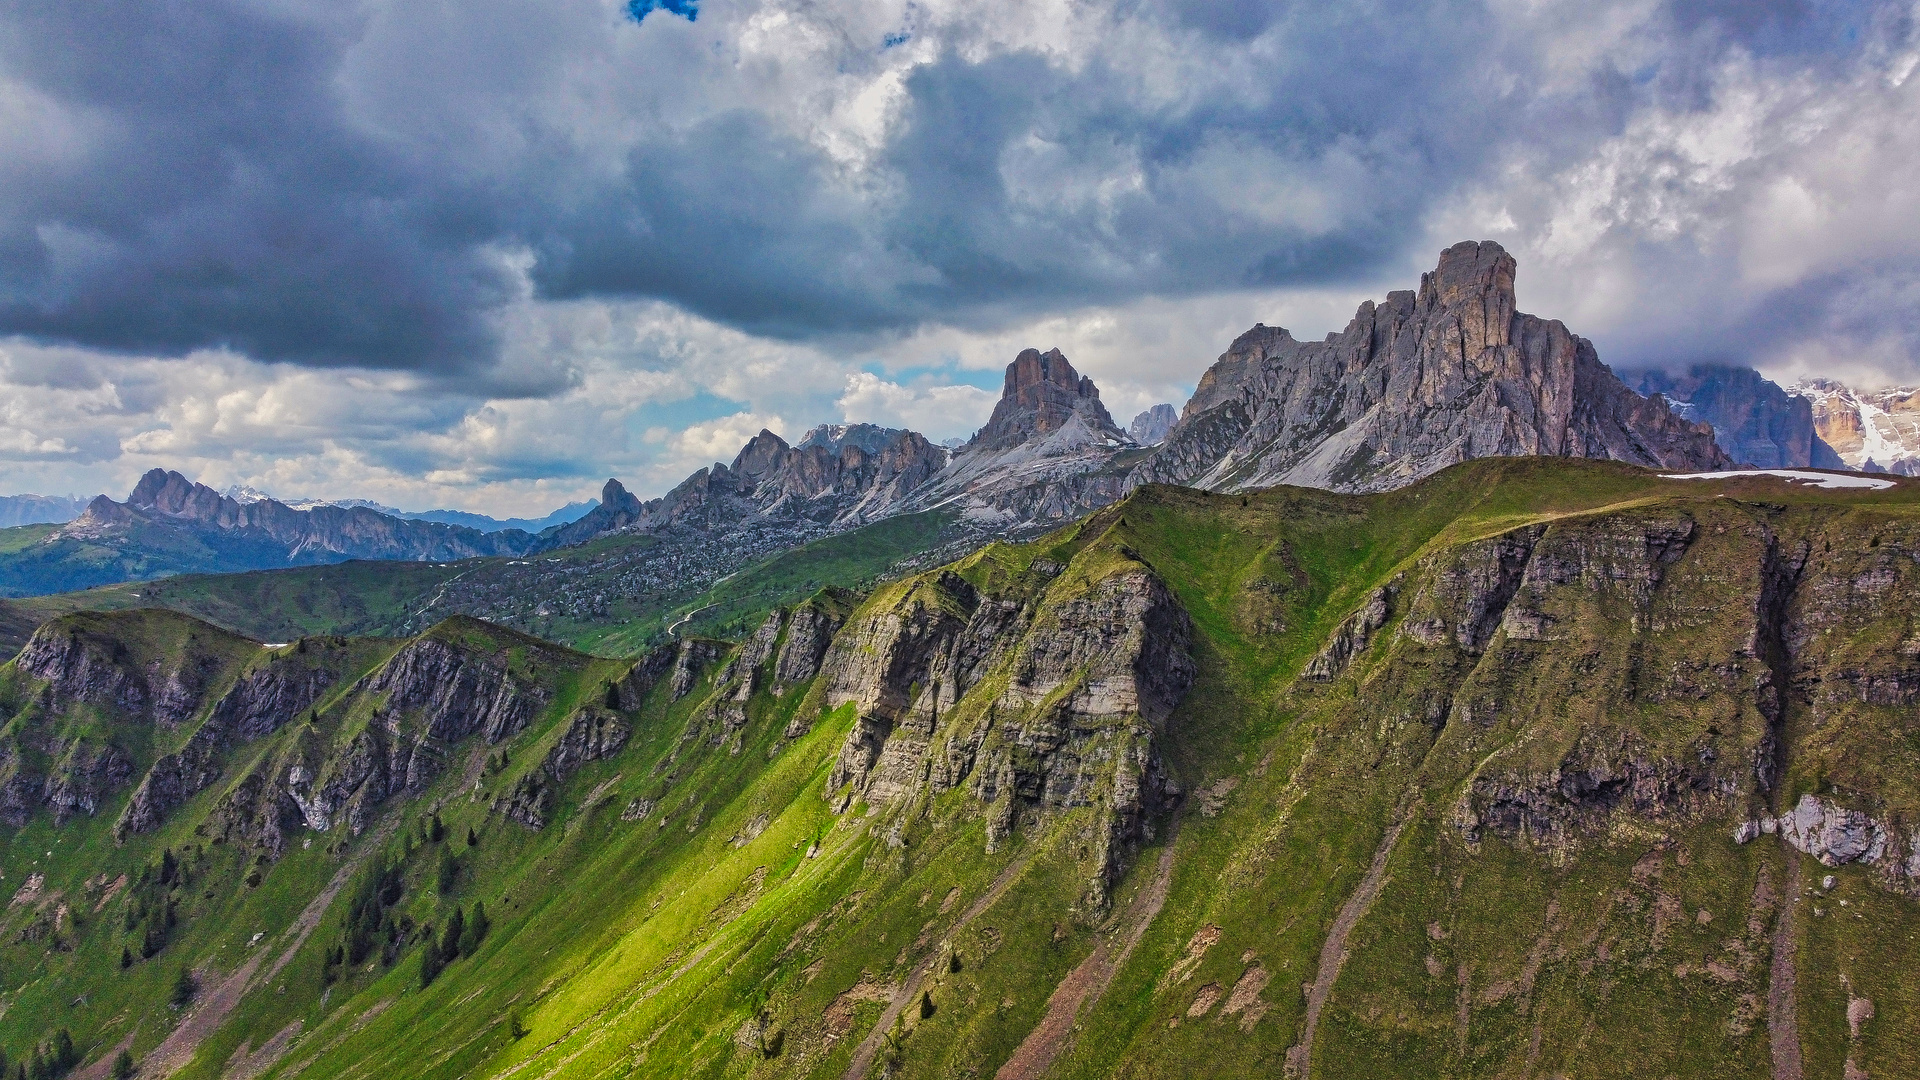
[486,253]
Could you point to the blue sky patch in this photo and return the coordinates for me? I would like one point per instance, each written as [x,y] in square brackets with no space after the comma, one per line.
[891,40]
[638,10]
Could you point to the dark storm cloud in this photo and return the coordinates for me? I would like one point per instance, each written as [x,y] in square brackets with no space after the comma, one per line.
[207,174]
[219,200]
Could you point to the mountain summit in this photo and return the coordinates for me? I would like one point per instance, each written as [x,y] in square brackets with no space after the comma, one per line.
[1044,395]
[1050,450]
[1424,380]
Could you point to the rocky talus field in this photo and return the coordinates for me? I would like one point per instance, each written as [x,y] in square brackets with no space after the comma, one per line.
[1535,768]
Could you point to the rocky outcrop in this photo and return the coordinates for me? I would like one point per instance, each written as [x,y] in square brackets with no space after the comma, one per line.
[1829,832]
[1424,380]
[1601,776]
[630,691]
[1353,635]
[1150,428]
[692,658]
[83,775]
[1082,684]
[1464,598]
[258,704]
[591,735]
[85,659]
[462,680]
[810,631]
[455,692]
[1753,419]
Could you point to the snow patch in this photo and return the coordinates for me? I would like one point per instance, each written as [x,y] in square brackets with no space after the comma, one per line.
[1798,476]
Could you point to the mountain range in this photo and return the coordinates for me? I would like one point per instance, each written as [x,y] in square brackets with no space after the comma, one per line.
[1406,710]
[570,512]
[1536,766]
[1426,378]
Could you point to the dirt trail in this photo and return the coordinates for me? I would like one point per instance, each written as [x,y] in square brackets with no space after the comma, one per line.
[1783,1024]
[1333,953]
[214,1007]
[1088,980]
[863,1054]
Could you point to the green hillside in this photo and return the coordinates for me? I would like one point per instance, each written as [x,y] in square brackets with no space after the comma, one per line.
[1441,782]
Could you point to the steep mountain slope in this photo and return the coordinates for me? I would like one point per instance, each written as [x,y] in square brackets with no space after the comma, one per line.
[1521,770]
[1425,380]
[170,525]
[1877,431]
[1754,420]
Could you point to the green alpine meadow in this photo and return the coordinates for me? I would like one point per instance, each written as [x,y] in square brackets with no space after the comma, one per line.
[1536,767]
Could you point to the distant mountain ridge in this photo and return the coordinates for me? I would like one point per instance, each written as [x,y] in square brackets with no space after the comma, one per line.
[272,530]
[1425,379]
[1872,431]
[16,510]
[837,476]
[1756,421]
[484,523]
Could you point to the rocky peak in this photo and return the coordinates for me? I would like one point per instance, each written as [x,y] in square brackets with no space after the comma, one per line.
[1474,285]
[171,493]
[763,454]
[618,509]
[1151,427]
[1042,394]
[1424,380]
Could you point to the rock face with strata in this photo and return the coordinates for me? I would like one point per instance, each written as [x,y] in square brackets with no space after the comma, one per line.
[259,703]
[1421,381]
[810,630]
[1037,700]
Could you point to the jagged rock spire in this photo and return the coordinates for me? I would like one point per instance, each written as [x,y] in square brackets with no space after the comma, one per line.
[1041,395]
